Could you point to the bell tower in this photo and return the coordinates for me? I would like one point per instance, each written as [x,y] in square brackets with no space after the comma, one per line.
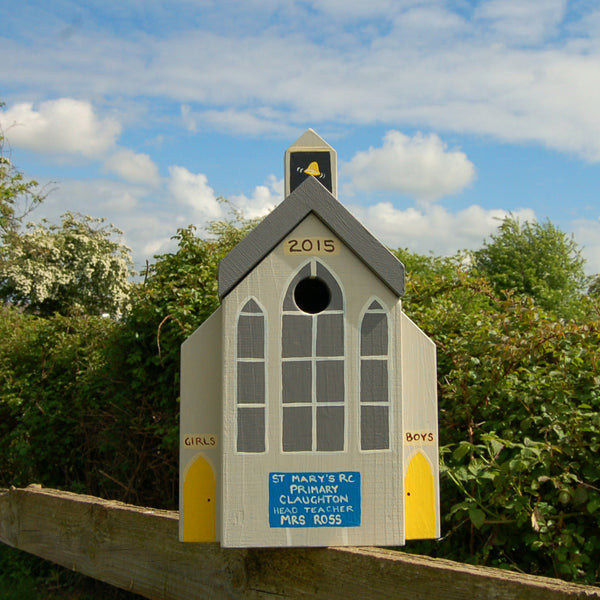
[310,154]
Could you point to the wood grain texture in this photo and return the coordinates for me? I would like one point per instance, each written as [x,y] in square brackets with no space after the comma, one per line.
[130,547]
[137,549]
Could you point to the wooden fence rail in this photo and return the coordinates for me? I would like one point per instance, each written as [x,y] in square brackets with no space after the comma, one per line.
[137,549]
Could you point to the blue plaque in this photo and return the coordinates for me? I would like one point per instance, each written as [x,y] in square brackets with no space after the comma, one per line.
[314,499]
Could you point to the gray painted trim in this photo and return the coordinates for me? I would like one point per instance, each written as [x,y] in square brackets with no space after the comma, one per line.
[310,139]
[309,197]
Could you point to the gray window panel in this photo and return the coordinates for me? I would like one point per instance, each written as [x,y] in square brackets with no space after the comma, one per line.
[297,428]
[288,301]
[251,337]
[375,305]
[251,429]
[374,428]
[373,381]
[296,381]
[296,336]
[374,335]
[330,335]
[337,300]
[251,382]
[330,381]
[252,307]
[330,428]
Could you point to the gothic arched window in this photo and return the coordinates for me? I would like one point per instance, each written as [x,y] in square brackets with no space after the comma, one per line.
[312,362]
[251,378]
[374,380]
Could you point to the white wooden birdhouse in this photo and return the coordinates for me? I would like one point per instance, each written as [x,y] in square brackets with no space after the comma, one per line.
[308,399]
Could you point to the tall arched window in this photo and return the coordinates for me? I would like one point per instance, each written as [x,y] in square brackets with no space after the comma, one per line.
[313,390]
[374,380]
[251,388]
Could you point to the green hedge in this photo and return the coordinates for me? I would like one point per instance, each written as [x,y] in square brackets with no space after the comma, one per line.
[519,410]
[91,405]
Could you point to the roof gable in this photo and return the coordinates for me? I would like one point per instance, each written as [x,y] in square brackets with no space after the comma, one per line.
[310,197]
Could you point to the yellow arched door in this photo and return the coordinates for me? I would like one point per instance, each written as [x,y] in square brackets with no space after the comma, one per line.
[419,505]
[199,502]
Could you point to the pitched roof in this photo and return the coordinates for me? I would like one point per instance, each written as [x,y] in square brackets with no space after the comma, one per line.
[309,197]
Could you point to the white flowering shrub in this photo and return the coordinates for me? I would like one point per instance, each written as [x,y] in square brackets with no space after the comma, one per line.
[77,267]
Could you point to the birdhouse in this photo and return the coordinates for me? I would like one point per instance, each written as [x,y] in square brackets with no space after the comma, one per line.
[308,399]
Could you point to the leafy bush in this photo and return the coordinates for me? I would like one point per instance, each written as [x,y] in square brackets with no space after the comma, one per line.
[47,368]
[27,577]
[537,260]
[91,404]
[519,398]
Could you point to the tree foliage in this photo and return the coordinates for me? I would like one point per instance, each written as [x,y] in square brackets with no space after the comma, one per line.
[77,267]
[18,196]
[519,399]
[594,288]
[49,397]
[91,404]
[537,260]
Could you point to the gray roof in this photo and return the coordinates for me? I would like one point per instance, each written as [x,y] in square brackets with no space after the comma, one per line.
[309,197]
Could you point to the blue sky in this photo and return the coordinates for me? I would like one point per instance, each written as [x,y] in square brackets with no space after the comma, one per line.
[446,115]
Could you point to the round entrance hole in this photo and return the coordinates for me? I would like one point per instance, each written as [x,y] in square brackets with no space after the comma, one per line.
[312,295]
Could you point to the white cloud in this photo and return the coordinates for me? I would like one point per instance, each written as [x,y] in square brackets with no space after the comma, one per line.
[420,166]
[479,69]
[148,226]
[469,76]
[343,10]
[424,24]
[133,167]
[95,197]
[191,191]
[123,204]
[522,21]
[188,118]
[262,201]
[58,127]
[434,228]
[243,122]
[587,236]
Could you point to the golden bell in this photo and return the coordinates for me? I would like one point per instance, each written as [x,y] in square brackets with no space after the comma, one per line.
[313,169]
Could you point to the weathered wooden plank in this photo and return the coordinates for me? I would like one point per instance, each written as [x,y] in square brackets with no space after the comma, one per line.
[137,549]
[342,573]
[130,547]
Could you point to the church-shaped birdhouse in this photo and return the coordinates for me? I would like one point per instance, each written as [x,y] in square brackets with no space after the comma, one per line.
[308,399]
